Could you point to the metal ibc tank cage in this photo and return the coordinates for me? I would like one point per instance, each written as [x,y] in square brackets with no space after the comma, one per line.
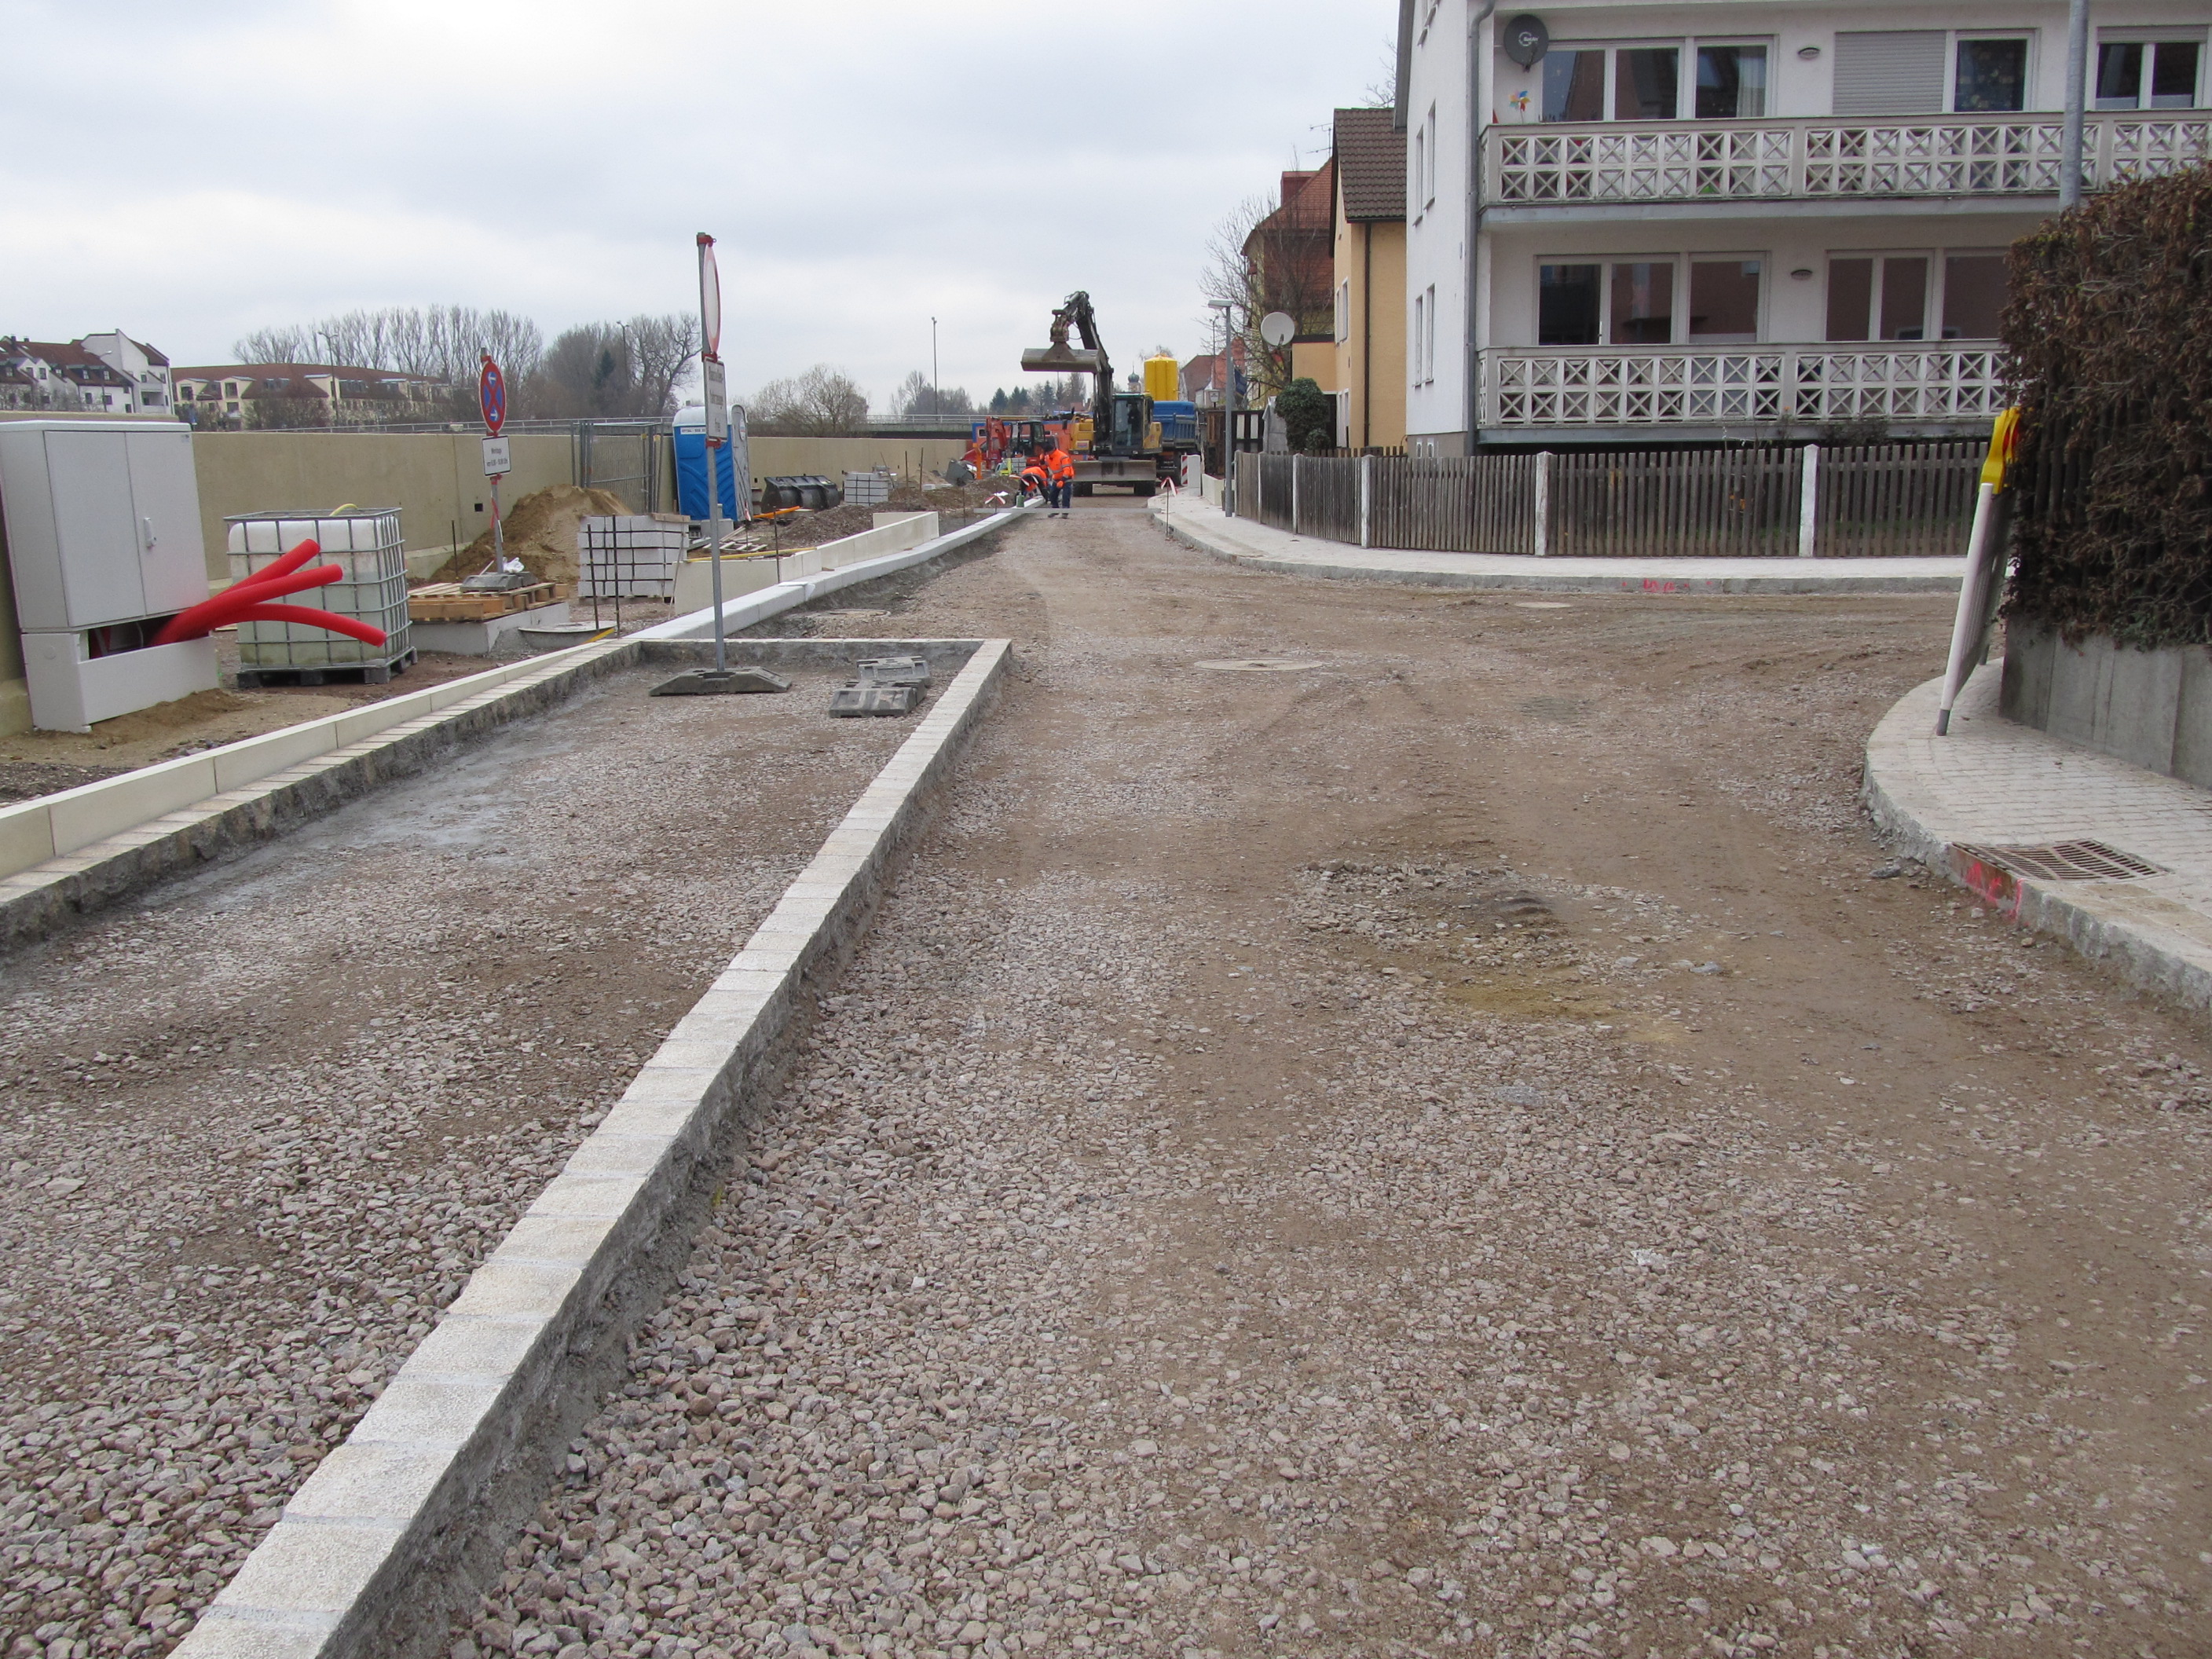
[369,546]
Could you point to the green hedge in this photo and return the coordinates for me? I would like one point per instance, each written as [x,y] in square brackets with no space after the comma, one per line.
[2109,331]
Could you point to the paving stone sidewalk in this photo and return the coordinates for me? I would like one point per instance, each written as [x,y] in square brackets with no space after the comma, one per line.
[1993,785]
[1203,525]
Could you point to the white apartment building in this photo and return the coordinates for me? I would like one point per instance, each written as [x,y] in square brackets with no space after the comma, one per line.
[1746,218]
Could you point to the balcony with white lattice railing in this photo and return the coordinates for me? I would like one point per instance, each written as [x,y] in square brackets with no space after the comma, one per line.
[1767,387]
[1820,159]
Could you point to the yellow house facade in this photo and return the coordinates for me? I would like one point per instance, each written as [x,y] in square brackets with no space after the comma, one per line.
[1369,266]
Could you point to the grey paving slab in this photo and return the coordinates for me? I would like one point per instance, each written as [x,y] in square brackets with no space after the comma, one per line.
[1992,783]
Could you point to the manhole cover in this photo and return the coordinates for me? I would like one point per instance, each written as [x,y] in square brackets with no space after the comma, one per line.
[1541,604]
[2065,861]
[1259,665]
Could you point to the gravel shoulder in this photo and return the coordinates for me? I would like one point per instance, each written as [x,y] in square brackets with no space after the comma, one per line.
[257,1127]
[1449,1148]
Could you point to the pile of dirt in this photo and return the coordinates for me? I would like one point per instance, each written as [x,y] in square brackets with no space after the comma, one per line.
[540,530]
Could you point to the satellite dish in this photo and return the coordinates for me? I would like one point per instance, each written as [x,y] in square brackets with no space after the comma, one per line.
[1276,327]
[1527,39]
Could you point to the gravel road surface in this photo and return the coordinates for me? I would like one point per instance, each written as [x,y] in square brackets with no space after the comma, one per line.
[1449,1147]
[258,1128]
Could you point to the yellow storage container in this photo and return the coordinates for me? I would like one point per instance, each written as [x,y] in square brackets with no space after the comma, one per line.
[1162,379]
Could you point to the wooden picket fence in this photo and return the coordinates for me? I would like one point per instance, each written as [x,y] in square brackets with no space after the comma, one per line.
[1746,500]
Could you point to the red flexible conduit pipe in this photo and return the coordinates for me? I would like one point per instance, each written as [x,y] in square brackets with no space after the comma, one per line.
[250,601]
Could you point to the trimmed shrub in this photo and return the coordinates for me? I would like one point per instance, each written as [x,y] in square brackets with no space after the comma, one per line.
[1308,416]
[2109,331]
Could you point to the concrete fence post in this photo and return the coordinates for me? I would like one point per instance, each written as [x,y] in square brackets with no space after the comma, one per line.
[1543,508]
[1294,494]
[1366,499]
[1808,496]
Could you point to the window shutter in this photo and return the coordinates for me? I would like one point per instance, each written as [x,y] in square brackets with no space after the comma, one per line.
[1889,72]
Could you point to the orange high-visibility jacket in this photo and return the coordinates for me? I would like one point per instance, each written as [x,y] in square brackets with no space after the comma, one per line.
[1059,465]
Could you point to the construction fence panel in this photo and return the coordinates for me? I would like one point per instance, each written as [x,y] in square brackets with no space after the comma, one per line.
[1717,503]
[1897,499]
[626,458]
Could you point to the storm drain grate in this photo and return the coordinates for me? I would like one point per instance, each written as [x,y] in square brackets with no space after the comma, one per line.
[2066,860]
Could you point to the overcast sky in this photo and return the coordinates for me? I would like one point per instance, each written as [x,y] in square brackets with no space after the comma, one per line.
[190,171]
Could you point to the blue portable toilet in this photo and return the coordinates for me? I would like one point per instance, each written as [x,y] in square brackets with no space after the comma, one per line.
[734,468]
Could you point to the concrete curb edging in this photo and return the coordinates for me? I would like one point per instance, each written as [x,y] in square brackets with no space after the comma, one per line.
[360,1563]
[125,833]
[1522,573]
[2088,915]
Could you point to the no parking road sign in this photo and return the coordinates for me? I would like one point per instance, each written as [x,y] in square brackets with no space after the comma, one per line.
[491,396]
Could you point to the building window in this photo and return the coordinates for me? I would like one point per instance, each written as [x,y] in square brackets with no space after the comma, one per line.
[1343,310]
[1574,85]
[2148,74]
[1568,309]
[1731,83]
[1429,168]
[1420,324]
[1428,336]
[1892,296]
[1420,164]
[1724,301]
[1641,298]
[1990,77]
[1646,81]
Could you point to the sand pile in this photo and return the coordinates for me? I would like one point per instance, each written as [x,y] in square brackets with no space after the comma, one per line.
[541,531]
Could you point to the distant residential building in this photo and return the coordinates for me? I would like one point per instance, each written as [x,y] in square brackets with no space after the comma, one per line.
[1369,264]
[1201,377]
[220,394]
[1739,219]
[1290,256]
[147,369]
[65,375]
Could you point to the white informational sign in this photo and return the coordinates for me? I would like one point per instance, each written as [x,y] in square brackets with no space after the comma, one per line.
[497,461]
[715,390]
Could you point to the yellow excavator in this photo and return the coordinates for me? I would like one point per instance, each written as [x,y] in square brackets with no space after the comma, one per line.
[1118,441]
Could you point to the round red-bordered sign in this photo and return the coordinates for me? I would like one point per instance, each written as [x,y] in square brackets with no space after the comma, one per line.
[491,396]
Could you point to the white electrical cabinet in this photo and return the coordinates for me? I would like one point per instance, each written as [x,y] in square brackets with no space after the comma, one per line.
[103,523]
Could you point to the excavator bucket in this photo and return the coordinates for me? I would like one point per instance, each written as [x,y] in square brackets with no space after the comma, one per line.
[1061,360]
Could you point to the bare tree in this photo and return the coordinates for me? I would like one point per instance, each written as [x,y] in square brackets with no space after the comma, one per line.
[288,344]
[1261,258]
[444,343]
[915,396]
[661,350]
[823,402]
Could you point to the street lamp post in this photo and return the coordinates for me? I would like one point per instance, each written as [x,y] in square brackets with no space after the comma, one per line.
[1228,412]
[2077,82]
[935,408]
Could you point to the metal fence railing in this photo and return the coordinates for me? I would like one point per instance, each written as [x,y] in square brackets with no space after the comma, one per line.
[1745,501]
[628,460]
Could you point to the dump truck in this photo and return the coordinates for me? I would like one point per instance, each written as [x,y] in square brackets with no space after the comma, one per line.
[1124,439]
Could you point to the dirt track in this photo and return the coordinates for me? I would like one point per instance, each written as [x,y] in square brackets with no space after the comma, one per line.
[1448,1146]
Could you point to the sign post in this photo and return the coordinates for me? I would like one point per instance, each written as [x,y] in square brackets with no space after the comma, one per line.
[718,428]
[498,461]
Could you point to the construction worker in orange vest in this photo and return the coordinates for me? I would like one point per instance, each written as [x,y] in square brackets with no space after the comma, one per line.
[1059,467]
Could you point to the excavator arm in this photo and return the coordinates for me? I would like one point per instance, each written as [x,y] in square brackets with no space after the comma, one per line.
[1060,357]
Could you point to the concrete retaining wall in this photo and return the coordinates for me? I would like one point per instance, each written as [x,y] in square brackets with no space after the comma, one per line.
[435,479]
[912,459]
[2151,708]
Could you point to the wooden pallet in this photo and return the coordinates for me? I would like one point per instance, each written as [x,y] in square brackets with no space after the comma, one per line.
[444,602]
[337,674]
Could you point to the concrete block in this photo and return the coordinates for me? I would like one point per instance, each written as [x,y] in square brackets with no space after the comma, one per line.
[651,1117]
[587,1195]
[239,764]
[2141,696]
[84,815]
[620,1153]
[312,1568]
[382,1485]
[516,1287]
[556,1247]
[695,582]
[429,1411]
[2192,720]
[488,637]
[222,1633]
[656,1082]
[468,1346]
